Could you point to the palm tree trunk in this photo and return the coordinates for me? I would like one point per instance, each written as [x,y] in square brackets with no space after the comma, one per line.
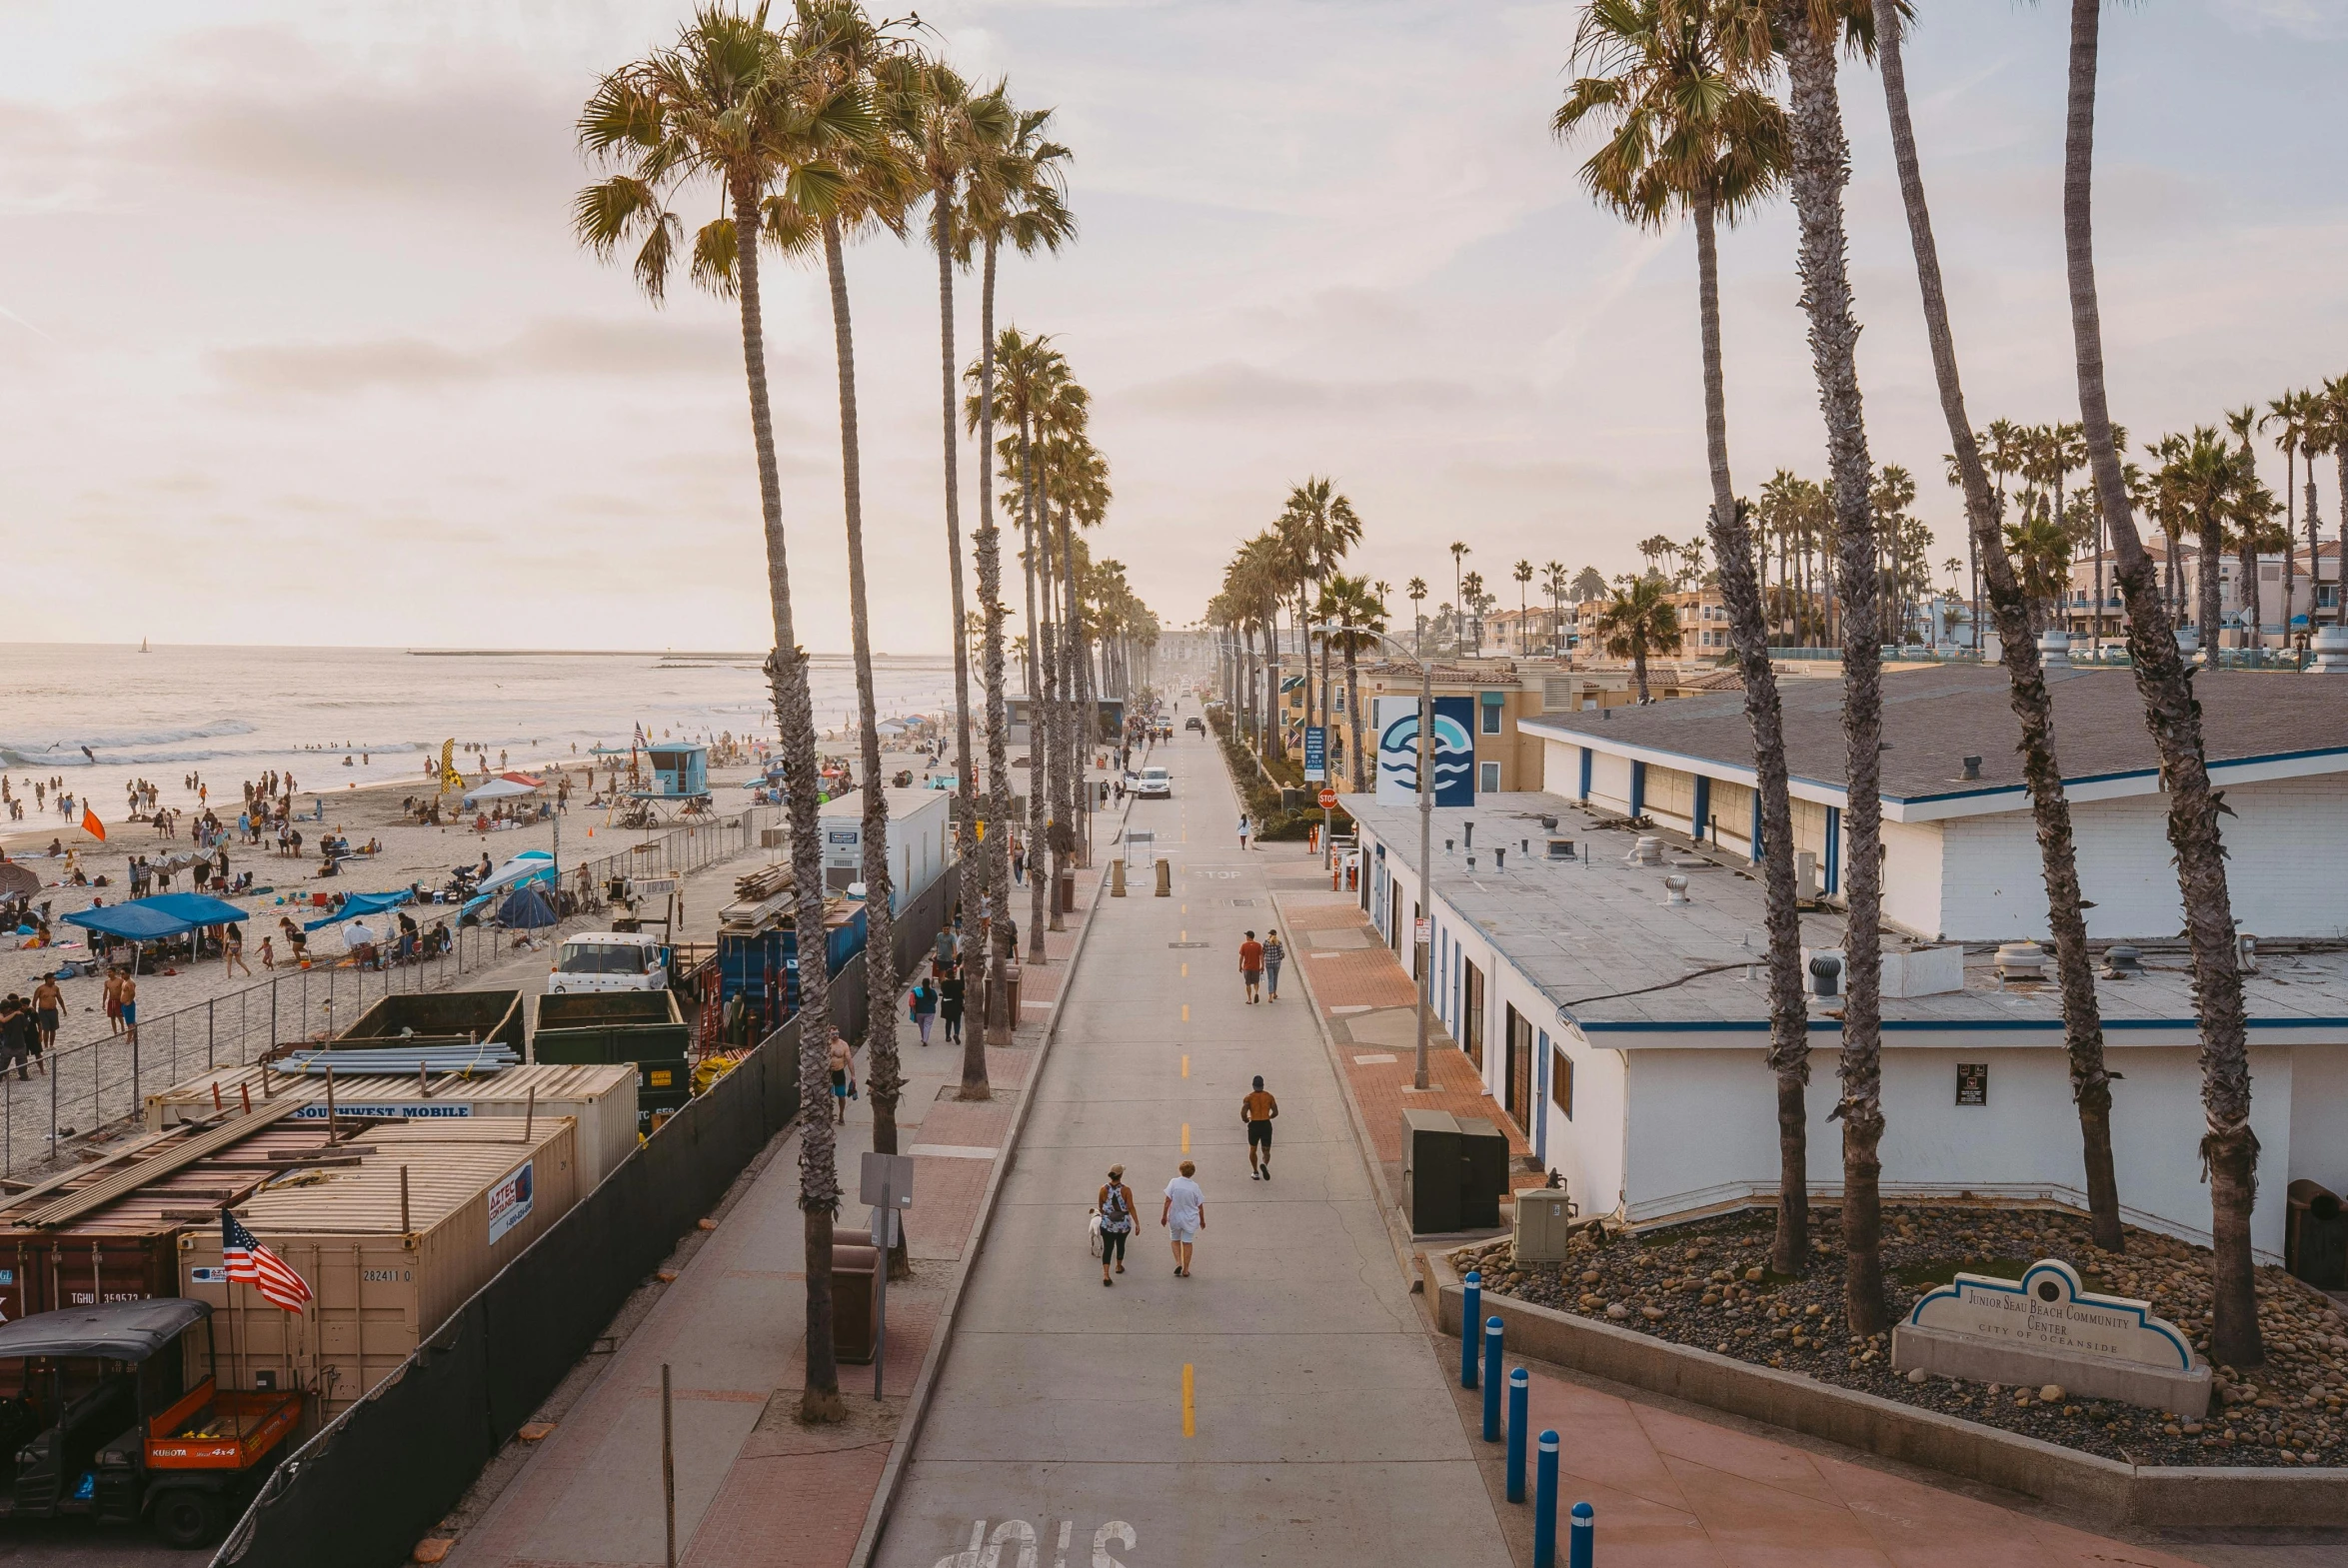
[1081,724]
[1039,709]
[2212,604]
[2315,561]
[1820,169]
[883,1071]
[795,727]
[1354,713]
[2229,1150]
[1740,592]
[2041,771]
[966,783]
[1043,753]
[997,1023]
[1639,668]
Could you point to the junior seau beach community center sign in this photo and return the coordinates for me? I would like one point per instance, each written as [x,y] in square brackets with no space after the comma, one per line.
[2048,1328]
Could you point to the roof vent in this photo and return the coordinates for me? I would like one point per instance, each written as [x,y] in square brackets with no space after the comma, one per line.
[2122,964]
[2247,946]
[1646,851]
[1468,834]
[1675,890]
[1973,769]
[1560,849]
[1549,823]
[1500,856]
[1825,974]
[2021,960]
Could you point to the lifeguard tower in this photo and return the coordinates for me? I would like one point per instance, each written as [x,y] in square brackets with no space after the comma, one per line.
[680,785]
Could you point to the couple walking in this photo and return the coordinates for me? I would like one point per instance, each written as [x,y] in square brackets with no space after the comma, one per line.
[1260,960]
[1183,1215]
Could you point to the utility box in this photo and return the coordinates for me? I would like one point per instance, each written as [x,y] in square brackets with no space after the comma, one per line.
[856,1302]
[1431,1172]
[1484,1173]
[1544,1220]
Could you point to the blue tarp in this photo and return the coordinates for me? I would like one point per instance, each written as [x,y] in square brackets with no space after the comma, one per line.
[357,905]
[165,914]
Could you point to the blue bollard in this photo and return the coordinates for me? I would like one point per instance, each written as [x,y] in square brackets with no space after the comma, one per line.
[1544,1504]
[1581,1546]
[1491,1379]
[1469,1307]
[1520,1414]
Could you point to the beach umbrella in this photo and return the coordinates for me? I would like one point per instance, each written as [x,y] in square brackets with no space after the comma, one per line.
[356,935]
[526,910]
[16,879]
[531,865]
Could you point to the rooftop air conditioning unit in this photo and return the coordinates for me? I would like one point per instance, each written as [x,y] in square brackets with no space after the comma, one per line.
[2021,960]
[1646,851]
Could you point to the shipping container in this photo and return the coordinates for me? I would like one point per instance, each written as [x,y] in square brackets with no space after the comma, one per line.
[610,1026]
[757,954]
[438,1018]
[386,1261]
[602,1098]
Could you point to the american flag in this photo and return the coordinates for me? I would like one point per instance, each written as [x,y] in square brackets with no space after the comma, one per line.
[248,1260]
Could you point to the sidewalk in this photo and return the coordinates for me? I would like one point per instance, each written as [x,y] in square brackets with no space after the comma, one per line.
[753,1485]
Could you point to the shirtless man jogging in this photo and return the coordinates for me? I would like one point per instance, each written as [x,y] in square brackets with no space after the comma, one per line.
[1258,1110]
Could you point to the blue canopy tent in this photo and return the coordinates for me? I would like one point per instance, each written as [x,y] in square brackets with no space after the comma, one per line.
[360,904]
[165,914]
[527,910]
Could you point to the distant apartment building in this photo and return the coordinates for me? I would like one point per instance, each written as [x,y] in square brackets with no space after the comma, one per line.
[2280,625]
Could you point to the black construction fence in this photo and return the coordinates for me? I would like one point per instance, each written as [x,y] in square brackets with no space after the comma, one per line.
[378,1477]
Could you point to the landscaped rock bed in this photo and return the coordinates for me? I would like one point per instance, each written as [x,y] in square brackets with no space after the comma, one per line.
[1708,1285]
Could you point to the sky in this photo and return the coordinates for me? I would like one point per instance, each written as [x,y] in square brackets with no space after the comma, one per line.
[296,346]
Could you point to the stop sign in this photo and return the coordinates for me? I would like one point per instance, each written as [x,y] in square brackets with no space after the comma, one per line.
[1328,799]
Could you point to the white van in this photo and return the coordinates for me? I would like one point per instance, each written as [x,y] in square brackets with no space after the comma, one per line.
[609,961]
[1155,784]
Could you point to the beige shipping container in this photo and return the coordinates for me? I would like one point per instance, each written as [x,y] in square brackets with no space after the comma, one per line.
[381,1279]
[601,1099]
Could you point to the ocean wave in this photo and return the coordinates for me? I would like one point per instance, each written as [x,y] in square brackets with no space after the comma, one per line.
[36,749]
[45,761]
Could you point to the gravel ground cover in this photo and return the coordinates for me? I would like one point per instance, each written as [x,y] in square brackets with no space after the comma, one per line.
[1708,1285]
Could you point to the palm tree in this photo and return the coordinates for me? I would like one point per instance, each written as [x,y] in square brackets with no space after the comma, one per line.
[1637,621]
[729,103]
[1820,169]
[948,131]
[844,190]
[2025,674]
[2289,416]
[1553,581]
[1684,90]
[1460,553]
[2332,436]
[2230,1150]
[1319,526]
[1353,602]
[1415,592]
[1522,571]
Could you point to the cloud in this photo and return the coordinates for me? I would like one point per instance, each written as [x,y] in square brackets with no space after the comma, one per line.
[1232,388]
[563,347]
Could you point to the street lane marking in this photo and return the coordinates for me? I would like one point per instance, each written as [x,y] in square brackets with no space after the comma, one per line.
[1185,1066]
[1190,1402]
[1186,1012]
[1185,1139]
[1185,971]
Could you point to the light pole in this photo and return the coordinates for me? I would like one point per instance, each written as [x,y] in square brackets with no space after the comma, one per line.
[1418,945]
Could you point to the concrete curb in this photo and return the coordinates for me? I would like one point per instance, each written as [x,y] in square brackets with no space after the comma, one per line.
[917,1407]
[2103,1490]
[1363,1145]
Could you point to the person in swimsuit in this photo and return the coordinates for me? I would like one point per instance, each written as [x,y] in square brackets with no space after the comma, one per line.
[48,1002]
[843,1070]
[1258,1110]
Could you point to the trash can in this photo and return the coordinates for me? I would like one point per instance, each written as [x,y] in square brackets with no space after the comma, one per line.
[1010,997]
[2315,1235]
[856,1302]
[1064,891]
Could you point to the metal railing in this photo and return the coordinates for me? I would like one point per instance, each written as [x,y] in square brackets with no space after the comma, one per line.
[93,1084]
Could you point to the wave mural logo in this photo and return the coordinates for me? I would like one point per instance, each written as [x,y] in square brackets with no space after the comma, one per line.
[1454,751]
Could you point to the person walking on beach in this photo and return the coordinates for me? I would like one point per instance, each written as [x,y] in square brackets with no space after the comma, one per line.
[1258,1110]
[842,1075]
[1183,1217]
[113,1001]
[128,995]
[925,1007]
[48,1002]
[16,1033]
[1244,827]
[268,953]
[1116,1207]
[950,999]
[232,950]
[1274,955]
[1251,967]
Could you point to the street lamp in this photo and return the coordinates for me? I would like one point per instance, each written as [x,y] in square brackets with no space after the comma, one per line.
[1418,946]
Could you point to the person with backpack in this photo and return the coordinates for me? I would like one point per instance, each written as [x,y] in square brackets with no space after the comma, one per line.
[1116,1207]
[925,1007]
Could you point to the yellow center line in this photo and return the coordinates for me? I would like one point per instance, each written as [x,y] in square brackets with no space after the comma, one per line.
[1186,1012]
[1186,1137]
[1190,1401]
[1185,971]
[1185,936]
[1185,1066]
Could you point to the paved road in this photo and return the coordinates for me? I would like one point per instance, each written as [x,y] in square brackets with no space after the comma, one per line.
[1280,1406]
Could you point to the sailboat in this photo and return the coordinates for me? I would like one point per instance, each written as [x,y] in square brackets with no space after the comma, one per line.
[142,645]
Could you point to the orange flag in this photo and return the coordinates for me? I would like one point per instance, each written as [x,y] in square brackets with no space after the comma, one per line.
[91,825]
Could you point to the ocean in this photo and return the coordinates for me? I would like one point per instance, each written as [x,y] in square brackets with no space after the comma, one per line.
[101,715]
